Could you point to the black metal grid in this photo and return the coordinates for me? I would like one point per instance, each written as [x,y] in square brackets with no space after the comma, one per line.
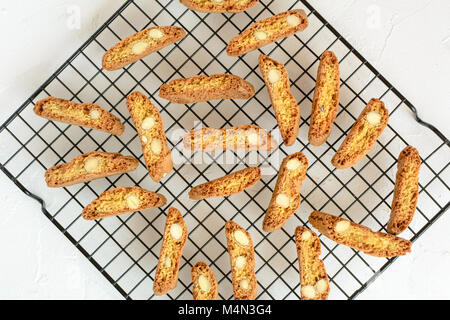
[125,249]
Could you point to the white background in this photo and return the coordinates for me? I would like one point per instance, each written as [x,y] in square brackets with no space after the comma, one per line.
[411,48]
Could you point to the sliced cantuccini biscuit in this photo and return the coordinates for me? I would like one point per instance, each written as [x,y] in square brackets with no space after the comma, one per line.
[286,195]
[363,135]
[141,45]
[242,258]
[286,107]
[122,200]
[84,114]
[231,184]
[219,5]
[174,239]
[406,191]
[204,282]
[356,236]
[326,99]
[89,166]
[150,128]
[247,137]
[206,88]
[313,276]
[267,31]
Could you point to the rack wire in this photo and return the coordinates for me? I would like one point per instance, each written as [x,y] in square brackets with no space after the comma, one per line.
[125,249]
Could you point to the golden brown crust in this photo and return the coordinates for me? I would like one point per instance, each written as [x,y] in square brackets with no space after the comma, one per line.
[326,99]
[153,140]
[166,276]
[122,53]
[361,137]
[356,236]
[201,269]
[286,107]
[245,286]
[312,269]
[224,6]
[246,137]
[406,191]
[206,88]
[233,183]
[86,115]
[89,166]
[289,183]
[275,28]
[122,200]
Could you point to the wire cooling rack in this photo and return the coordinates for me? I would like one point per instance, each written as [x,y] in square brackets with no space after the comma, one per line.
[125,249]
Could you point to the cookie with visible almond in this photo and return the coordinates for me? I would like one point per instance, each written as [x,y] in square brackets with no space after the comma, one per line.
[219,5]
[150,128]
[174,239]
[286,195]
[204,282]
[80,114]
[313,276]
[122,200]
[267,31]
[246,137]
[140,45]
[89,166]
[233,183]
[242,259]
[206,88]
[326,99]
[359,237]
[362,136]
[406,191]
[284,104]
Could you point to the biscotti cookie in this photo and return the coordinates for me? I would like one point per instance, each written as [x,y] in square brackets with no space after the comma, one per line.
[140,45]
[267,31]
[174,239]
[242,260]
[313,276]
[284,104]
[230,184]
[406,191]
[204,282]
[356,236]
[219,5]
[89,166]
[150,128]
[247,137]
[84,114]
[122,200]
[286,195]
[206,88]
[362,136]
[326,99]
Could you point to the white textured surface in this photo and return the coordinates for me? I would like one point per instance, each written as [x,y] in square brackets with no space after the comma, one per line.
[411,48]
